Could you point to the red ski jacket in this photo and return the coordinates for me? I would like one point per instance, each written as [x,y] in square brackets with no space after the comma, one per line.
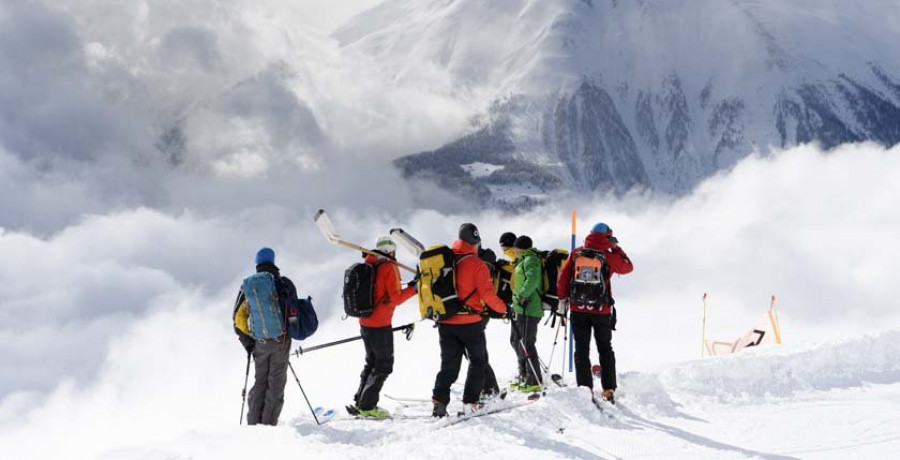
[388,293]
[616,259]
[473,280]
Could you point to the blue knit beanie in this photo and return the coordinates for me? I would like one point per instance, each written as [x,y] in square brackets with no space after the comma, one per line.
[265,255]
[601,228]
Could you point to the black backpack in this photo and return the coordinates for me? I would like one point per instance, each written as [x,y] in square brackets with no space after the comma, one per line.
[589,278]
[551,264]
[359,290]
[503,273]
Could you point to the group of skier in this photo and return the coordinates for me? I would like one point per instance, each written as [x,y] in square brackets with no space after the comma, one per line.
[461,287]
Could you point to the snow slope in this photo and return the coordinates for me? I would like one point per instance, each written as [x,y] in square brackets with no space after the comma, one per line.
[151,368]
[823,401]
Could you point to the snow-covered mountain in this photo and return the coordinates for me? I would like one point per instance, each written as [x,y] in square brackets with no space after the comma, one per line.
[607,95]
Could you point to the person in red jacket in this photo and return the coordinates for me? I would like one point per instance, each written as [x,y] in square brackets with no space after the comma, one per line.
[584,283]
[375,330]
[463,333]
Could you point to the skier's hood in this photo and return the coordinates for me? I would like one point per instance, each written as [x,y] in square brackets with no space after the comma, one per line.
[598,241]
[269,268]
[461,247]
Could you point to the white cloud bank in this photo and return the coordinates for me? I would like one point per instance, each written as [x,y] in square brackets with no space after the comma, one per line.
[121,331]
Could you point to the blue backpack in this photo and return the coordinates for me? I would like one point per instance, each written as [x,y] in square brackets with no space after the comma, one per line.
[302,321]
[265,319]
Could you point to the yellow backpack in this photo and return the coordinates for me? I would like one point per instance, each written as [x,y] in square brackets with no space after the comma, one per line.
[438,298]
[552,263]
[241,318]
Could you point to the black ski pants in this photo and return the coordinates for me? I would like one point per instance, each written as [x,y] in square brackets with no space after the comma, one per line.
[266,398]
[582,326]
[491,386]
[523,331]
[379,343]
[456,339]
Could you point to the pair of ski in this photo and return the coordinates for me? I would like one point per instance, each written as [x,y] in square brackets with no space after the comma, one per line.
[492,407]
[398,235]
[354,412]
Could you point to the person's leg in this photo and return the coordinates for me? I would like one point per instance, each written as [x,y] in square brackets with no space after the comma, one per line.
[491,387]
[514,335]
[280,355]
[256,400]
[581,334]
[383,348]
[603,336]
[472,336]
[451,359]
[530,339]
[368,366]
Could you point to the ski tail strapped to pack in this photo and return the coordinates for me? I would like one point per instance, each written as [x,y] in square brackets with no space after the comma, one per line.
[359,290]
[589,279]
[327,228]
[265,315]
[552,263]
[407,241]
[438,298]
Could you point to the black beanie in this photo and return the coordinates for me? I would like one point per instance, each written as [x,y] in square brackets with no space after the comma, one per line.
[508,239]
[469,233]
[522,242]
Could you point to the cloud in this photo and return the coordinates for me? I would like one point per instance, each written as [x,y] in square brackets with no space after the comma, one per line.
[155,103]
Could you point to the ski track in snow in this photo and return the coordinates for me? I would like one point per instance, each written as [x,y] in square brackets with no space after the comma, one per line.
[828,401]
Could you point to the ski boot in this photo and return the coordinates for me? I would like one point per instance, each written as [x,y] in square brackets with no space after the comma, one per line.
[375,412]
[470,409]
[530,388]
[609,395]
[440,409]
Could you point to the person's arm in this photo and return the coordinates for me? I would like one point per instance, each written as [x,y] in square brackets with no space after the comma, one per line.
[531,268]
[240,314]
[618,261]
[394,295]
[484,286]
[564,282]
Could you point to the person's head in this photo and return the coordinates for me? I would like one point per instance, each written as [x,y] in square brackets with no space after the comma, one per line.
[469,233]
[385,245]
[602,229]
[522,243]
[507,240]
[265,256]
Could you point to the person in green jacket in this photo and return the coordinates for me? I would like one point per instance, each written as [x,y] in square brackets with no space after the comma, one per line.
[526,303]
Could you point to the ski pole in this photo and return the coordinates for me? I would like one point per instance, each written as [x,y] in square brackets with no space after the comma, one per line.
[553,349]
[406,328]
[539,377]
[571,336]
[244,391]
[304,394]
[703,338]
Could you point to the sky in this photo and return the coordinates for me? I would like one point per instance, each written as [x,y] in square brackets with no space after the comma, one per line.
[148,149]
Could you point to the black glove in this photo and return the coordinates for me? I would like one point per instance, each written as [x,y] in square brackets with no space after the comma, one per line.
[247,342]
[491,313]
[523,302]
